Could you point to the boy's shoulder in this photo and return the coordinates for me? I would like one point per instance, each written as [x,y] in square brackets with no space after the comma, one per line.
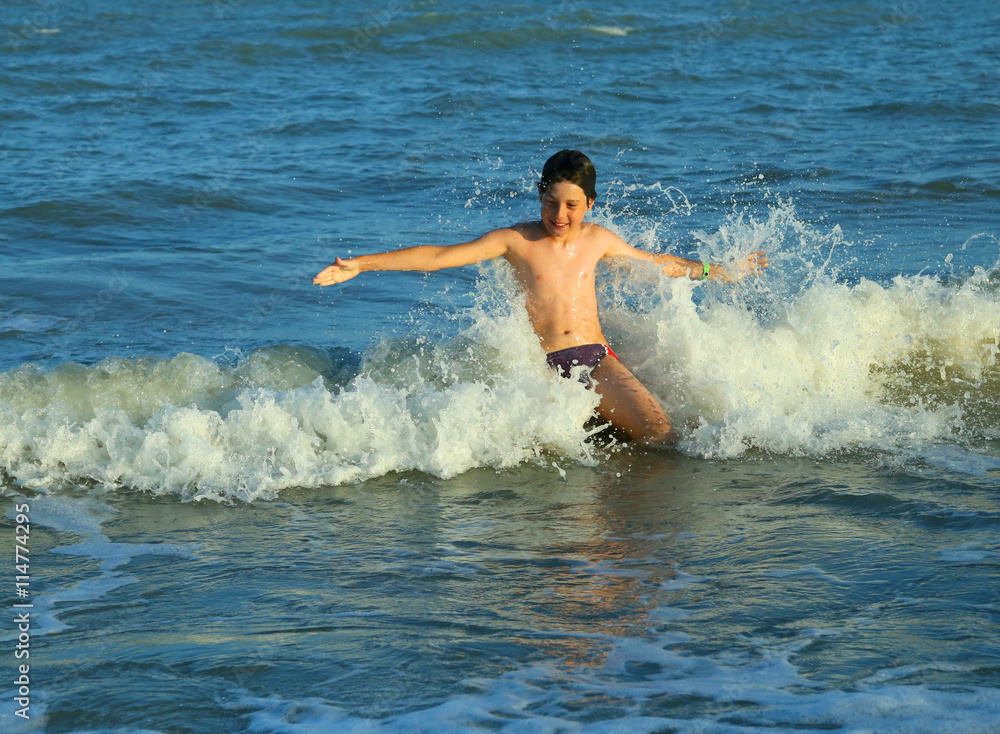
[600,236]
[596,230]
[520,233]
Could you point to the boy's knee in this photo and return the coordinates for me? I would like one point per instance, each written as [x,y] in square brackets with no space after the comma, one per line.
[664,437]
[655,432]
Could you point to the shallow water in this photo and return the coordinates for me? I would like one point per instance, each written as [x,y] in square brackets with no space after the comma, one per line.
[655,591]
[260,506]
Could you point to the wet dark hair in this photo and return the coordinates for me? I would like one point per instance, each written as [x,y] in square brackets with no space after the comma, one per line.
[573,167]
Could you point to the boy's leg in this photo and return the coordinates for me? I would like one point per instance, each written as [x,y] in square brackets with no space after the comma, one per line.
[628,405]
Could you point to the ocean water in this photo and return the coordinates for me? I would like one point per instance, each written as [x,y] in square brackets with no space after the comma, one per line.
[235,502]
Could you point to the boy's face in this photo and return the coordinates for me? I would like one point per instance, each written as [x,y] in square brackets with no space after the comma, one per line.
[563,207]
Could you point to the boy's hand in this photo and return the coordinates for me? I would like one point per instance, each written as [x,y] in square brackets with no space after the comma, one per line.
[753,265]
[340,271]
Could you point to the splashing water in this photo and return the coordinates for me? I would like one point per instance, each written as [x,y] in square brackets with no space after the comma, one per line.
[798,362]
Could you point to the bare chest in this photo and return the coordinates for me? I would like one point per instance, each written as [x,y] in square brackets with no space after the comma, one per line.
[542,267]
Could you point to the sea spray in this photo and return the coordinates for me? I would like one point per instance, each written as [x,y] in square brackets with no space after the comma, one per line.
[799,361]
[290,416]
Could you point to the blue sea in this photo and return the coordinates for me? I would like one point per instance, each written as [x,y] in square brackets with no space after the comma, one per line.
[238,502]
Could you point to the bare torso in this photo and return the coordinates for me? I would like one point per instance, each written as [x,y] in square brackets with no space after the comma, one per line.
[558,280]
[555,260]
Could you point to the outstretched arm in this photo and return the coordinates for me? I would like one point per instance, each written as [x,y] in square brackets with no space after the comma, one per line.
[680,267]
[423,258]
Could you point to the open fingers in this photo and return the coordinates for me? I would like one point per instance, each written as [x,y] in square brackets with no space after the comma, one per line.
[338,272]
[756,262]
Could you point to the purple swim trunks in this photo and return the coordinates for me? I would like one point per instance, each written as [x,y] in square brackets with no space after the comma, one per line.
[587,355]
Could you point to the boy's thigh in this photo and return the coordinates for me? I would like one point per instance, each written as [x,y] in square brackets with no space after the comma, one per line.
[627,404]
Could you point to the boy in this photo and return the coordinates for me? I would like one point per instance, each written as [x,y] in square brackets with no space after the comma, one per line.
[554,260]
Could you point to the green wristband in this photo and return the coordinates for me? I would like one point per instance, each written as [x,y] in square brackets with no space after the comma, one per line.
[707,266]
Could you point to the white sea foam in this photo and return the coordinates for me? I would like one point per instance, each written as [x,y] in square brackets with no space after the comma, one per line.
[193,427]
[26,322]
[968,553]
[610,30]
[638,676]
[797,362]
[802,363]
